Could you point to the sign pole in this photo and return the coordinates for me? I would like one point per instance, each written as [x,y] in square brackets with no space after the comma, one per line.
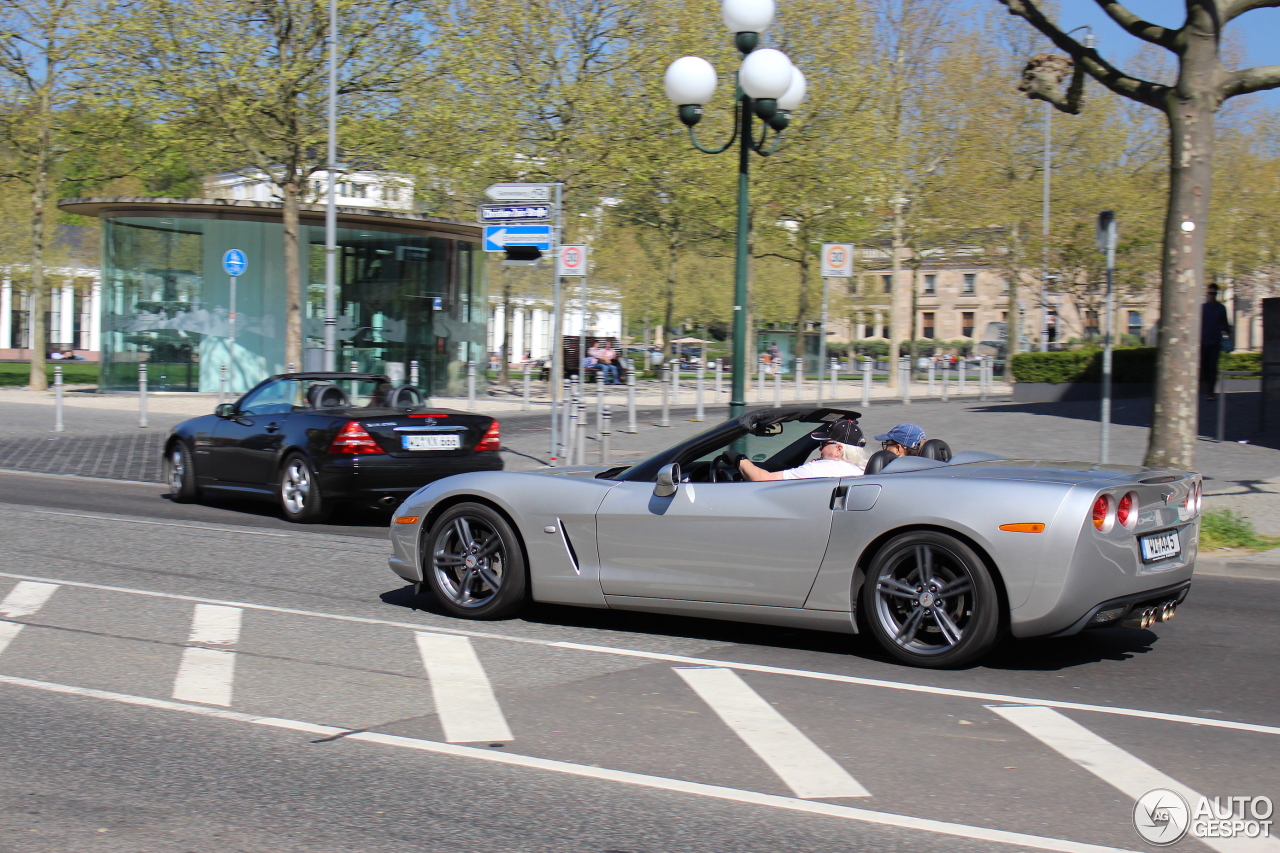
[837,262]
[1107,243]
[822,332]
[557,321]
[330,204]
[231,314]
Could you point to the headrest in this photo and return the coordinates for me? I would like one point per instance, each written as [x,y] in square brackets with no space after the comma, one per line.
[326,395]
[878,460]
[935,448]
[404,397]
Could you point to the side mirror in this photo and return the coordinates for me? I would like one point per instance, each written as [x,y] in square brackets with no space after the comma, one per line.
[668,481]
[227,411]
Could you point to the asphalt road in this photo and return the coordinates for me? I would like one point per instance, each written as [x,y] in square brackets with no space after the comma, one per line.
[212,678]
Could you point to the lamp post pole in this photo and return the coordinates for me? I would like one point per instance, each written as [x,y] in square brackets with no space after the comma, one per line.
[330,208]
[768,86]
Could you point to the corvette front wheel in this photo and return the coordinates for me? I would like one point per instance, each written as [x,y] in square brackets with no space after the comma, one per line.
[930,600]
[473,564]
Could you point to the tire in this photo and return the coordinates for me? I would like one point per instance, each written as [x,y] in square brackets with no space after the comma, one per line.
[946,615]
[299,491]
[473,564]
[180,473]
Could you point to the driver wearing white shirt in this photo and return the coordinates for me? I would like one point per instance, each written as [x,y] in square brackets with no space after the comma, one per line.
[842,455]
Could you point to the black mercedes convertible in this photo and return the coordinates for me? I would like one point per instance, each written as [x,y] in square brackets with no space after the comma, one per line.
[312,440]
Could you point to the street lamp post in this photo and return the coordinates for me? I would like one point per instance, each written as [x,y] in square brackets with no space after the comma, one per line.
[768,87]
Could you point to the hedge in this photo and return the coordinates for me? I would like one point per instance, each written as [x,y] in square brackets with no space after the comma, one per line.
[74,373]
[1128,364]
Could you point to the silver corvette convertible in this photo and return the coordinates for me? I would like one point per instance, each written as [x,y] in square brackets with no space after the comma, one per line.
[936,557]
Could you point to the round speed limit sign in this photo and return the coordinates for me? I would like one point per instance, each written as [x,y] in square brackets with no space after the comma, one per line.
[837,260]
[573,260]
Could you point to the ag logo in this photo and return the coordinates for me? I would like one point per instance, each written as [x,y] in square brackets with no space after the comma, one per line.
[1161,816]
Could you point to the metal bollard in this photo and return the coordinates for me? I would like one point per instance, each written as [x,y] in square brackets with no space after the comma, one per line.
[760,380]
[866,381]
[946,374]
[599,404]
[528,378]
[904,378]
[777,386]
[631,402]
[471,385]
[582,431]
[605,431]
[566,437]
[822,377]
[700,415]
[413,373]
[799,379]
[142,395]
[222,386]
[355,368]
[960,382]
[675,383]
[982,379]
[666,396]
[57,398]
[835,379]
[571,431]
[291,369]
[933,370]
[719,378]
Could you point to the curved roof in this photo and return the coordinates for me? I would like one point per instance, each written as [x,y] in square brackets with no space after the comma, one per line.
[269,211]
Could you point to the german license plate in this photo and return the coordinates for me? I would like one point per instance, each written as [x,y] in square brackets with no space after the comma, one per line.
[432,442]
[1160,546]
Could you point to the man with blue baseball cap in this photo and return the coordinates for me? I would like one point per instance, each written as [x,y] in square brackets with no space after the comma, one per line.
[903,439]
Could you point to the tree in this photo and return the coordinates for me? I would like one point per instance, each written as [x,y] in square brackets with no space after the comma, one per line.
[1190,106]
[249,79]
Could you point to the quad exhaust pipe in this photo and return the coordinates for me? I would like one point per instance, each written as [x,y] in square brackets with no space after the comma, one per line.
[1151,615]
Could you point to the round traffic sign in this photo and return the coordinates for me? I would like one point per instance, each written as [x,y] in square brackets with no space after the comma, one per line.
[837,257]
[234,262]
[572,257]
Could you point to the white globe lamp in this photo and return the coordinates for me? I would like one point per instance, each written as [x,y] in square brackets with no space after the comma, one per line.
[765,76]
[690,82]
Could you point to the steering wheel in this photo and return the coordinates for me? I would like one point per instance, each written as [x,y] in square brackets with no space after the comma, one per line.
[722,472]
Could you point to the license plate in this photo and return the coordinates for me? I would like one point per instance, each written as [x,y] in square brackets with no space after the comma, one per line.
[432,442]
[1160,546]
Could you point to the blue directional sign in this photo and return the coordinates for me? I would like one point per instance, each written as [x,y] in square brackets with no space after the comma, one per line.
[234,262]
[514,212]
[498,237]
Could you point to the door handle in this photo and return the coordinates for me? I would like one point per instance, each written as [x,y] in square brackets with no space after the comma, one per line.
[838,496]
[273,427]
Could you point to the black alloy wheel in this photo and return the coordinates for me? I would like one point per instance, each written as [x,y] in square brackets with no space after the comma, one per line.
[299,491]
[930,600]
[180,473]
[473,563]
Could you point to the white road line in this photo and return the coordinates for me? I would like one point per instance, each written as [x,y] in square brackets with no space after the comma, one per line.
[867,816]
[162,523]
[1133,776]
[25,599]
[8,630]
[808,771]
[1233,725]
[464,699]
[207,675]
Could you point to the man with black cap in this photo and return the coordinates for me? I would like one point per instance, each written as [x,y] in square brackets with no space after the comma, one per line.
[841,455]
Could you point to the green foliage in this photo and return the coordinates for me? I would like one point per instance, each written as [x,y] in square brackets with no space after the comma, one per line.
[18,373]
[1225,528]
[1241,361]
[1129,364]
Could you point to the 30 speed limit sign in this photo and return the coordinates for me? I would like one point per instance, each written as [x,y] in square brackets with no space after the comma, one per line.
[837,260]
[573,260]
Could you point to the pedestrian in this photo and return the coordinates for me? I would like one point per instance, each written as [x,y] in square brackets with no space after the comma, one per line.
[1215,331]
[606,357]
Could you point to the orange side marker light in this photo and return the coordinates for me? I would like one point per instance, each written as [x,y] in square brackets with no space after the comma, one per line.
[412,519]
[1033,527]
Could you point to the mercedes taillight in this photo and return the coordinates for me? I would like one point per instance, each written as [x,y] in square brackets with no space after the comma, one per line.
[354,439]
[492,438]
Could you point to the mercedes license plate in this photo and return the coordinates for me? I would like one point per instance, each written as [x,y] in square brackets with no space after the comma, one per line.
[432,442]
[1160,546]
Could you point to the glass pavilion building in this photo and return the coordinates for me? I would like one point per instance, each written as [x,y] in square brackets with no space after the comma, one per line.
[410,288]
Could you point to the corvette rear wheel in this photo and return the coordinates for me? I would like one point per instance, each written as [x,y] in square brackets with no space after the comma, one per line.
[930,601]
[473,564]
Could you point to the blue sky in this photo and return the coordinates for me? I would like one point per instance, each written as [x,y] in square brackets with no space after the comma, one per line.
[1259,29]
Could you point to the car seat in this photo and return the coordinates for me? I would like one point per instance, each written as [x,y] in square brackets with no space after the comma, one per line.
[326,395]
[935,448]
[878,460]
[404,397]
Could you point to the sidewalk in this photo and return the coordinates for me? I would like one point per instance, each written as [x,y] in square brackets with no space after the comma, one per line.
[1262,566]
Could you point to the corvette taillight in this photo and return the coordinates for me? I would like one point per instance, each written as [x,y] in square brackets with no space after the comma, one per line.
[354,439]
[492,438]
[1101,509]
[1126,511]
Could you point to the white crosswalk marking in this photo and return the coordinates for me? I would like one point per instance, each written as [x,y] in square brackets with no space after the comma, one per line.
[806,769]
[25,599]
[207,675]
[1133,776]
[465,703]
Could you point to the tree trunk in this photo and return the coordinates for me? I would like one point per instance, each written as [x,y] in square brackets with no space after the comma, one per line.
[292,276]
[38,380]
[1013,324]
[896,309]
[802,309]
[669,301]
[505,372]
[1175,411]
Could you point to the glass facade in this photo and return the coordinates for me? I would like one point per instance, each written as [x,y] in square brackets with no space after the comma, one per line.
[404,294]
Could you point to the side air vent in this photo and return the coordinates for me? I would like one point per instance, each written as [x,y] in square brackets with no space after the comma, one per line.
[568,546]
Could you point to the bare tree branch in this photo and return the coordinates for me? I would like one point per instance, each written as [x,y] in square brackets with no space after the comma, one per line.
[1236,8]
[1251,79]
[1135,26]
[1043,75]
[1134,88]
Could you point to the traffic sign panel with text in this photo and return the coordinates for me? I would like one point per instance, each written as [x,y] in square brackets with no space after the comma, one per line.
[514,213]
[519,192]
[837,260]
[498,237]
[572,261]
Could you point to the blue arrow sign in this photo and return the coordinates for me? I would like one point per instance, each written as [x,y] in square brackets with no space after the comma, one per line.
[515,212]
[234,262]
[498,237]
